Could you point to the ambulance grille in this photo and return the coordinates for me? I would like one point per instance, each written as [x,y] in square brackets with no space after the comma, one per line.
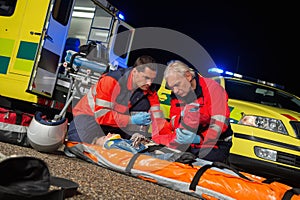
[288,159]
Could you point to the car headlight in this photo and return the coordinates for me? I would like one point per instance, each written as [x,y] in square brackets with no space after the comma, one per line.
[266,123]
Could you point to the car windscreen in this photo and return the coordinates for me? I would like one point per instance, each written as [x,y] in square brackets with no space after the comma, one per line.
[260,94]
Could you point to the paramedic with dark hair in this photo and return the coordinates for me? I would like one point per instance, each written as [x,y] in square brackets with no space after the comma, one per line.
[123,102]
[199,114]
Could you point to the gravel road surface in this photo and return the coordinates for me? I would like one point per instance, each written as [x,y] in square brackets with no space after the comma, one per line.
[94,181]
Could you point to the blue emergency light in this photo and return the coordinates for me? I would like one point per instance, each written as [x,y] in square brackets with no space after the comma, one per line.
[231,74]
[121,16]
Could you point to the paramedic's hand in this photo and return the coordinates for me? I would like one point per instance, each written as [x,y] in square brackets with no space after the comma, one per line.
[184,136]
[141,118]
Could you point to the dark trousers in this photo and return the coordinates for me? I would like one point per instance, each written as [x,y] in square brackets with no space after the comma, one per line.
[219,154]
[84,128]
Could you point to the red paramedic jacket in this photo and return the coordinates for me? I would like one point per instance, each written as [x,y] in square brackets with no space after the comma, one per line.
[204,111]
[110,100]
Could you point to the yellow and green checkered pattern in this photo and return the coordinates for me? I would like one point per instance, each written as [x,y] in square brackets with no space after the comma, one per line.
[6,50]
[24,59]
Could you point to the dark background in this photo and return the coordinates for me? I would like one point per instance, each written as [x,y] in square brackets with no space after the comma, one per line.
[253,38]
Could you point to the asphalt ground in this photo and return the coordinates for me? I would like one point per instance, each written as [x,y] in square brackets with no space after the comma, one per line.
[96,182]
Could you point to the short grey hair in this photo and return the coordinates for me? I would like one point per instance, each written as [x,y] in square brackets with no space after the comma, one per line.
[178,67]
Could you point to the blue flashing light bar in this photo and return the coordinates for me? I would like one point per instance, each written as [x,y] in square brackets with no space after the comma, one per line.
[238,75]
[231,74]
[216,70]
[121,16]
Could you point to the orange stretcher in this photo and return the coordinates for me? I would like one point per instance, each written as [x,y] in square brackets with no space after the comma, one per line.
[207,180]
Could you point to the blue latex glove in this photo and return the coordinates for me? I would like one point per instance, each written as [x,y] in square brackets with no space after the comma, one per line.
[184,136]
[141,118]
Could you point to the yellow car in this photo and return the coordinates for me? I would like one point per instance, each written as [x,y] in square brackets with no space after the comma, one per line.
[266,125]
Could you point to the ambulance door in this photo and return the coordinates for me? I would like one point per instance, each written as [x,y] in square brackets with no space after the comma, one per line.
[110,30]
[120,43]
[46,67]
[21,27]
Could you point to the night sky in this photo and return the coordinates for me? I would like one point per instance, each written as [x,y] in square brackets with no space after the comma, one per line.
[253,38]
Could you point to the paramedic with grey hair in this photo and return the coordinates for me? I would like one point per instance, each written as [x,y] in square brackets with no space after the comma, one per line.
[199,114]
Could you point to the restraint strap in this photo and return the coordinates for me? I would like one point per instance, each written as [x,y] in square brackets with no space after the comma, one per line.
[159,147]
[271,180]
[19,118]
[131,162]
[201,171]
[290,193]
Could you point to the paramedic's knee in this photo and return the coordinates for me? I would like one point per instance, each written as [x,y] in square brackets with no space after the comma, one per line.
[84,128]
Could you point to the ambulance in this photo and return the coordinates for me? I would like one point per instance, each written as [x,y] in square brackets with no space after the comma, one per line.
[34,37]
